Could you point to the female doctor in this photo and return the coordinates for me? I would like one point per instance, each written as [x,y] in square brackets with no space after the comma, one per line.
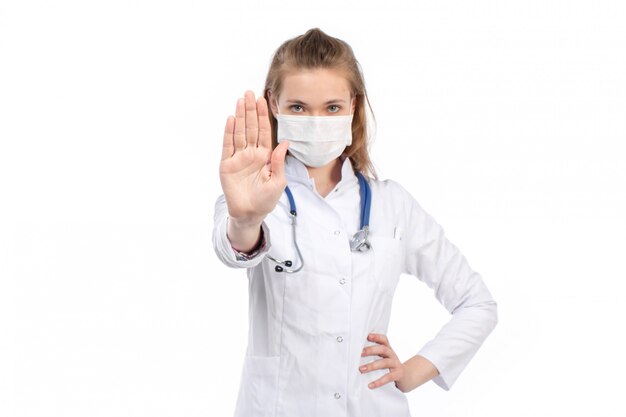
[324,242]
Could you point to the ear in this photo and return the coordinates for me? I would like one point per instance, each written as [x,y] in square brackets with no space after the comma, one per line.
[353,101]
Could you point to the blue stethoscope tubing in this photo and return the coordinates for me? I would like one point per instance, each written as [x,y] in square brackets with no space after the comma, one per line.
[366,200]
[358,243]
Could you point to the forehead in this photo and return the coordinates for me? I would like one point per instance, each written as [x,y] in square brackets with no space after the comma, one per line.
[318,84]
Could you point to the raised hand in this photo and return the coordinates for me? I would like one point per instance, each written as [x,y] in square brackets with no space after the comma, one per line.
[252,176]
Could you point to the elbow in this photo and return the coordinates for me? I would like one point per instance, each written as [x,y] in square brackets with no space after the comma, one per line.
[485,312]
[492,308]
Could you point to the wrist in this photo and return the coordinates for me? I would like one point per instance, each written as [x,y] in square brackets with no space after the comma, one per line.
[244,236]
[417,371]
[258,247]
[246,222]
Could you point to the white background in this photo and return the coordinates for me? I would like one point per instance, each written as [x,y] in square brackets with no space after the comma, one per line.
[505,120]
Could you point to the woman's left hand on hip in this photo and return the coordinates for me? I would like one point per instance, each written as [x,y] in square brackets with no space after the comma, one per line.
[389,361]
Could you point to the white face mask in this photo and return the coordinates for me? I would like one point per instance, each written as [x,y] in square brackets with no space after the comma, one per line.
[315,140]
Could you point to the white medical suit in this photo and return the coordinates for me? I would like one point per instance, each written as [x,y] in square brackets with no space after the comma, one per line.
[307,329]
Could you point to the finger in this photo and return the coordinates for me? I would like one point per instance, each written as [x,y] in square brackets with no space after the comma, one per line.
[386,363]
[378,338]
[385,379]
[228,147]
[240,126]
[380,350]
[278,160]
[265,129]
[252,123]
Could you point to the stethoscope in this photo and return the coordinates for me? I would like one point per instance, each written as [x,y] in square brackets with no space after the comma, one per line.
[358,243]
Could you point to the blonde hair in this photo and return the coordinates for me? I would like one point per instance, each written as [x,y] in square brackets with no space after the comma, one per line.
[315,49]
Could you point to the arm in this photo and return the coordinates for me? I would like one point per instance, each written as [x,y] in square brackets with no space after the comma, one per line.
[252,178]
[433,259]
[227,251]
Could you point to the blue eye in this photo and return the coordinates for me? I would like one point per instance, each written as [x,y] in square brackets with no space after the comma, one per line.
[296,108]
[334,108]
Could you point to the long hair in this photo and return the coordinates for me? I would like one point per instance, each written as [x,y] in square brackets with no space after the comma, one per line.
[315,49]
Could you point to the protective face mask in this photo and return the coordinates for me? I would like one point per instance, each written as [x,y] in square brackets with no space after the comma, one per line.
[315,140]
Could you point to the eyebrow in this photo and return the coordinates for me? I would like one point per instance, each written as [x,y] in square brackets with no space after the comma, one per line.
[300,102]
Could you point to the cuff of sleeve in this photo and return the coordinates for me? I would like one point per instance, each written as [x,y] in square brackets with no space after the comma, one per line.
[252,259]
[260,246]
[445,379]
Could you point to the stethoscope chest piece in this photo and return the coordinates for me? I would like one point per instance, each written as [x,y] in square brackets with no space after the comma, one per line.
[359,242]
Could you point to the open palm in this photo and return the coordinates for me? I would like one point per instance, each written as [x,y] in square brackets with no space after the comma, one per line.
[251,174]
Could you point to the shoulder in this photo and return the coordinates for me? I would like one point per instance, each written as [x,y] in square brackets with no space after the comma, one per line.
[395,198]
[389,189]
[390,197]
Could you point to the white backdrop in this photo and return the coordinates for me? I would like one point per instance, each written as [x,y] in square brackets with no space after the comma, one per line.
[504,119]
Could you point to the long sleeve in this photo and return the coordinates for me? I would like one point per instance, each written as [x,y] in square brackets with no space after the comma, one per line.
[434,260]
[221,244]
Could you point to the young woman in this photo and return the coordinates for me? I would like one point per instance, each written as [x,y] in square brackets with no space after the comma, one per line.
[324,242]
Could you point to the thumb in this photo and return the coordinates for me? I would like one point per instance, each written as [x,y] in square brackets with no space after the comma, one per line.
[278,160]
